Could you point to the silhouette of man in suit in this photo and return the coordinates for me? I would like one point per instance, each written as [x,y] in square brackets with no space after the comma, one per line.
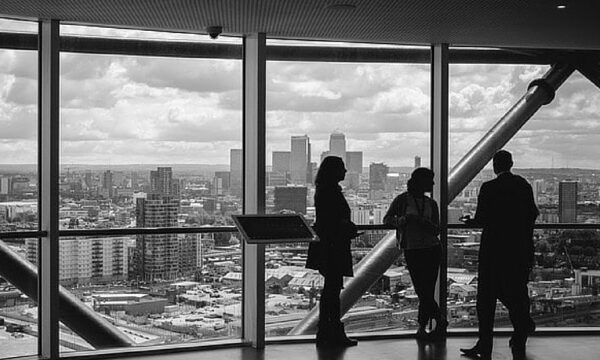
[506,210]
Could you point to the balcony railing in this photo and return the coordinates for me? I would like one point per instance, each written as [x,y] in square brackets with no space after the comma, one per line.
[96,330]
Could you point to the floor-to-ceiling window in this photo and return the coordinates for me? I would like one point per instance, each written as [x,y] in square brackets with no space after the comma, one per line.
[18,189]
[554,151]
[375,115]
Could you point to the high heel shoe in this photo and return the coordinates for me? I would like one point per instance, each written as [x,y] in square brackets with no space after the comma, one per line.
[440,331]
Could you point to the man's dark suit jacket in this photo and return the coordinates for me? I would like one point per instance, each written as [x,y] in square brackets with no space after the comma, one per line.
[506,209]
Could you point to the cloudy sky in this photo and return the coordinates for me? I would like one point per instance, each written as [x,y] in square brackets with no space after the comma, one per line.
[124,110]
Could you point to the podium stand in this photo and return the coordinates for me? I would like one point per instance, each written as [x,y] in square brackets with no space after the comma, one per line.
[274,229]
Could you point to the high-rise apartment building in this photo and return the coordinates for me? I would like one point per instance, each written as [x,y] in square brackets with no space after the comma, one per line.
[235,172]
[360,216]
[300,169]
[377,176]
[337,145]
[354,161]
[567,201]
[85,260]
[292,198]
[157,256]
[162,182]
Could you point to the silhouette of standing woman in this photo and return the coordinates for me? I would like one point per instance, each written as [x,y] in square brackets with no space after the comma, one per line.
[331,255]
[416,218]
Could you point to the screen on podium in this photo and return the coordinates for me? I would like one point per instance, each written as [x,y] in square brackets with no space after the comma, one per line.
[272,229]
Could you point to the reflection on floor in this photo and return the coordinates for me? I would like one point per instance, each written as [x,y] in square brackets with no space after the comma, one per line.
[539,348]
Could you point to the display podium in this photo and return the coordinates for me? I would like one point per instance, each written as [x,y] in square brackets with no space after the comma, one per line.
[274,228]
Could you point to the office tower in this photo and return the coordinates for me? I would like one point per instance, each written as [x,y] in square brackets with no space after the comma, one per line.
[235,172]
[377,176]
[276,179]
[4,185]
[299,159]
[281,162]
[538,189]
[157,255]
[309,168]
[392,182]
[291,198]
[337,145]
[224,176]
[107,183]
[354,161]
[417,162]
[88,179]
[567,201]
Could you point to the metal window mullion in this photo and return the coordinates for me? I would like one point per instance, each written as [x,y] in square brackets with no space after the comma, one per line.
[254,185]
[48,167]
[439,154]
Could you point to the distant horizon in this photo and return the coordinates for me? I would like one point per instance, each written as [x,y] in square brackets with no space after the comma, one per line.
[108,166]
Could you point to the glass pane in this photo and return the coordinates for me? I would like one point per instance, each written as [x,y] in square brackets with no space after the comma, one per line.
[563,286]
[555,152]
[149,142]
[105,32]
[18,26]
[18,311]
[376,117]
[202,303]
[18,141]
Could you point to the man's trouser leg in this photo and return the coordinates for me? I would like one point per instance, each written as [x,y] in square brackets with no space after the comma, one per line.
[486,307]
[515,296]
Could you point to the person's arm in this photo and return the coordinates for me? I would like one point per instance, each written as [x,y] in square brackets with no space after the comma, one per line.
[482,213]
[393,216]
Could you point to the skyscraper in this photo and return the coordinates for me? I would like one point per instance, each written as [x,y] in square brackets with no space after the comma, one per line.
[354,161]
[300,159]
[291,198]
[417,161]
[567,201]
[281,162]
[235,172]
[337,145]
[107,183]
[162,182]
[157,256]
[377,176]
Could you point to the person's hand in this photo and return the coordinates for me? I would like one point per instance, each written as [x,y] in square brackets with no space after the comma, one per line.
[402,220]
[467,220]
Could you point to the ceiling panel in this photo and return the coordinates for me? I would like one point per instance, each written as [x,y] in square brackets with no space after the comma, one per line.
[512,23]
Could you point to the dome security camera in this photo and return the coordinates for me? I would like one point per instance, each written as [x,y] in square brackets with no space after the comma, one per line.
[214,31]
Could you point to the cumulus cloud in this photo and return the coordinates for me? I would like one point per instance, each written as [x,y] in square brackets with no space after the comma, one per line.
[119,109]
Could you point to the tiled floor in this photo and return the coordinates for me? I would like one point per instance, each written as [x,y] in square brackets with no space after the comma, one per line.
[539,348]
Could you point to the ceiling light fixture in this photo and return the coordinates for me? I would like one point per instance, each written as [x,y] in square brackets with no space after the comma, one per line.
[560,7]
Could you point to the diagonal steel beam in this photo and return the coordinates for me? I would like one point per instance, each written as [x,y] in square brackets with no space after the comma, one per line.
[379,259]
[73,313]
[539,93]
